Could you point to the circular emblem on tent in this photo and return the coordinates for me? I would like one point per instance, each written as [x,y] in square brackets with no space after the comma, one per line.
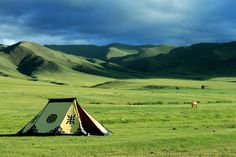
[52,118]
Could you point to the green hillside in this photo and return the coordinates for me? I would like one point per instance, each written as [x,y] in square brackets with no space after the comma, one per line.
[89,51]
[118,55]
[144,52]
[206,59]
[200,61]
[98,52]
[28,59]
[113,52]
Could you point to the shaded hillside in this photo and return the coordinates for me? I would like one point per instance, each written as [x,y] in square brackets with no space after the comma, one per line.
[2,46]
[199,59]
[29,58]
[89,51]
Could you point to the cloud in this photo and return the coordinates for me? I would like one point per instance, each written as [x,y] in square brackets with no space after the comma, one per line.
[126,21]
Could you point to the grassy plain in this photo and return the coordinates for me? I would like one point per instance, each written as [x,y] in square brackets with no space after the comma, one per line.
[147,117]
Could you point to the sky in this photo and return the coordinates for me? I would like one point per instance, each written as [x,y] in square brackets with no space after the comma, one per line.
[101,22]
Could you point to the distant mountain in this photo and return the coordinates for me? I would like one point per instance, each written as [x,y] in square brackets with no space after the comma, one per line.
[119,60]
[143,52]
[206,59]
[200,59]
[113,52]
[89,51]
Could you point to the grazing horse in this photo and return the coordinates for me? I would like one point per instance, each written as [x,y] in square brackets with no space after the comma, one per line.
[194,104]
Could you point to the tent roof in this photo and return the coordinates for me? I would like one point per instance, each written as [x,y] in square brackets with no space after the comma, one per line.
[62,100]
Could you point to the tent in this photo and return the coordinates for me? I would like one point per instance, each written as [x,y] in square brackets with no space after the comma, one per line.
[63,117]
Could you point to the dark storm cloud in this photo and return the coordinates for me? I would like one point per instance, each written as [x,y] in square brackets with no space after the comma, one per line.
[126,21]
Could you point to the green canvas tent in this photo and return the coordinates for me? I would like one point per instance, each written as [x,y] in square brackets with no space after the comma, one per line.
[63,117]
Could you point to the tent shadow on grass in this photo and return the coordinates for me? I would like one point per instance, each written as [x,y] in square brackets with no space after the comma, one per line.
[44,135]
[8,135]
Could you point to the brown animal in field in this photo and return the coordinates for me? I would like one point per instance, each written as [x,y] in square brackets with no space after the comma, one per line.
[194,104]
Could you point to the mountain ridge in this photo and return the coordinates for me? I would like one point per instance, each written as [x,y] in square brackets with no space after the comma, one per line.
[120,60]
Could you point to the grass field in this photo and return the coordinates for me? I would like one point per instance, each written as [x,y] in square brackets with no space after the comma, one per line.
[147,117]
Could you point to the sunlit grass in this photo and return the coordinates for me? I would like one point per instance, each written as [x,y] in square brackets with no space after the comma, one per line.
[143,121]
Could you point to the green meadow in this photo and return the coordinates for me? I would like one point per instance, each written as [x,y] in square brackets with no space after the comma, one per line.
[146,117]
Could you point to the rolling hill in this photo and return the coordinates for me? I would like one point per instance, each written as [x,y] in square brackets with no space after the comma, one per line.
[198,60]
[203,60]
[208,59]
[28,59]
[113,52]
